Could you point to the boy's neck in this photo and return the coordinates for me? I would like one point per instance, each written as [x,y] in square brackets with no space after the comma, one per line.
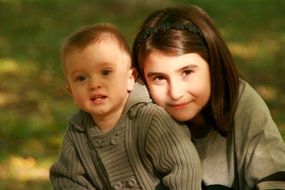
[106,125]
[108,122]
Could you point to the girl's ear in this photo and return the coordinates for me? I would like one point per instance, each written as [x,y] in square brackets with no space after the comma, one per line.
[132,74]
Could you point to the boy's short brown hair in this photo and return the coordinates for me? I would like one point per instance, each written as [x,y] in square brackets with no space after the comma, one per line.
[87,35]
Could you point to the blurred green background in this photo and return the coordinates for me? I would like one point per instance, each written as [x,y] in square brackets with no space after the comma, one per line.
[34,104]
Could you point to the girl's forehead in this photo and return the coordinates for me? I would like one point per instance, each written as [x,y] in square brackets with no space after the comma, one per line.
[162,58]
[161,53]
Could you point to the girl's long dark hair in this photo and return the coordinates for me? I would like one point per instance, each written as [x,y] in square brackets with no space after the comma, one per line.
[207,42]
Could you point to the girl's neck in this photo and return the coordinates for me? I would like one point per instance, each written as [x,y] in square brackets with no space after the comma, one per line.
[198,126]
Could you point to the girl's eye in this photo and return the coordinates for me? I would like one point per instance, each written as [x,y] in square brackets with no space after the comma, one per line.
[187,72]
[106,72]
[158,78]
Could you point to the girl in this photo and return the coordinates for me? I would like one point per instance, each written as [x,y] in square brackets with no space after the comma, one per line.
[189,71]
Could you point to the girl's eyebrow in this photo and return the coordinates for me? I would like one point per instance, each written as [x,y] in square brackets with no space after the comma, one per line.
[190,66]
[187,67]
[151,74]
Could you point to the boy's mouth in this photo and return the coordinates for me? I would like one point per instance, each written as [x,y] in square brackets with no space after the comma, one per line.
[98,98]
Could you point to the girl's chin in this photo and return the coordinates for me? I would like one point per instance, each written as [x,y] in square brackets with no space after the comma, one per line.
[181,116]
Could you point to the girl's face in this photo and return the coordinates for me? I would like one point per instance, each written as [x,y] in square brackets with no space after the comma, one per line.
[180,84]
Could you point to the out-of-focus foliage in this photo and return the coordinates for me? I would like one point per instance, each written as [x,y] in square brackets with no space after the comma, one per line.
[34,103]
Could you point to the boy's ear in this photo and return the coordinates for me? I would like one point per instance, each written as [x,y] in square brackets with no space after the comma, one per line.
[132,75]
[68,89]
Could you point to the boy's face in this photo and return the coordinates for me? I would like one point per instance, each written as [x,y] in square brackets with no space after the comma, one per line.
[99,78]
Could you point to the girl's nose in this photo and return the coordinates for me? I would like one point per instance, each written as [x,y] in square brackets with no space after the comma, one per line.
[175,91]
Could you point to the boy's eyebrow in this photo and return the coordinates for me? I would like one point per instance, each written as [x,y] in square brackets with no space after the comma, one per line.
[106,64]
[100,66]
[75,72]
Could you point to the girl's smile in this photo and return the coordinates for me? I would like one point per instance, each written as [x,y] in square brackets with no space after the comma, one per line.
[180,105]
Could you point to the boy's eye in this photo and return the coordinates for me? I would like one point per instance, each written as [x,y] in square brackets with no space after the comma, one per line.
[81,78]
[106,72]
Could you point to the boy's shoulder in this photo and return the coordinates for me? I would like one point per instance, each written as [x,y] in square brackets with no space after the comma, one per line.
[147,109]
[79,121]
[140,102]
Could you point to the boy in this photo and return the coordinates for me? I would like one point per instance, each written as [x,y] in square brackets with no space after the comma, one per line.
[118,139]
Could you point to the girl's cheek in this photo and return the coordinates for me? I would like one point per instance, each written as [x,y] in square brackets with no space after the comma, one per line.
[158,97]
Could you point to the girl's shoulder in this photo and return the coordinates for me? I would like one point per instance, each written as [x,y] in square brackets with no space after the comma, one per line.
[249,101]
[252,116]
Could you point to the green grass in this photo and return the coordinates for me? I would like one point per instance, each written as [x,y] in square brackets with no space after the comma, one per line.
[34,104]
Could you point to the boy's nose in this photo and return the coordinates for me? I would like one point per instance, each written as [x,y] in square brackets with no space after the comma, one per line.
[94,84]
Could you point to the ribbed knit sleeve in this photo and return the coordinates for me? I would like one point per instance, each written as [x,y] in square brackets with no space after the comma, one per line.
[68,173]
[171,151]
